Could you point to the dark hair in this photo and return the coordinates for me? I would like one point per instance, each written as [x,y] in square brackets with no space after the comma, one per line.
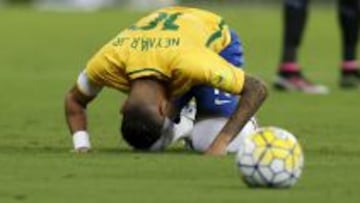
[140,129]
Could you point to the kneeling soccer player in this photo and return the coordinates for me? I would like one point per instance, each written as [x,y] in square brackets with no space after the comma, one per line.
[156,61]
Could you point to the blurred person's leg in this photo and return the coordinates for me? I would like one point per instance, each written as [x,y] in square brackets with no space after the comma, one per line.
[289,72]
[294,21]
[349,20]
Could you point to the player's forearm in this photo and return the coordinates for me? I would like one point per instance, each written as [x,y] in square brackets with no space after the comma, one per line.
[253,95]
[75,114]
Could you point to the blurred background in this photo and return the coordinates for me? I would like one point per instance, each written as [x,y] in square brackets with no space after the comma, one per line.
[45,44]
[88,5]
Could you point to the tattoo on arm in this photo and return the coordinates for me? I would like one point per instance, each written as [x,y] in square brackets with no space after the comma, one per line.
[253,95]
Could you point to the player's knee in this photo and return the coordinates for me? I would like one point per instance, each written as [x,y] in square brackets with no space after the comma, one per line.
[205,132]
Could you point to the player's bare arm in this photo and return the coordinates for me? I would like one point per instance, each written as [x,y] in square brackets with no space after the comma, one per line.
[253,95]
[75,113]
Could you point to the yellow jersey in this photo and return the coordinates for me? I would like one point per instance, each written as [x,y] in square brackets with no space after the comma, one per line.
[178,45]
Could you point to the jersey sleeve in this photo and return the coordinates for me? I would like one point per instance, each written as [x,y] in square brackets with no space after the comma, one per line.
[96,68]
[90,80]
[86,86]
[203,66]
[106,69]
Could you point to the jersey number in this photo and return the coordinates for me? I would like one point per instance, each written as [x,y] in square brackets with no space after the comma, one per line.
[165,20]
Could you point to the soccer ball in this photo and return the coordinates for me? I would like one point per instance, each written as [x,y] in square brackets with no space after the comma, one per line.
[270,157]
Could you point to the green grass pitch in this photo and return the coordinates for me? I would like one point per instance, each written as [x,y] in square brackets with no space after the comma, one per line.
[41,54]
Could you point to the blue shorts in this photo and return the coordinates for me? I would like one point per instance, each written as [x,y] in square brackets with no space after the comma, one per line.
[210,101]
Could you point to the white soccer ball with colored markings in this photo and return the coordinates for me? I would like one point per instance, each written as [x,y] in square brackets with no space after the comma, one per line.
[270,157]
